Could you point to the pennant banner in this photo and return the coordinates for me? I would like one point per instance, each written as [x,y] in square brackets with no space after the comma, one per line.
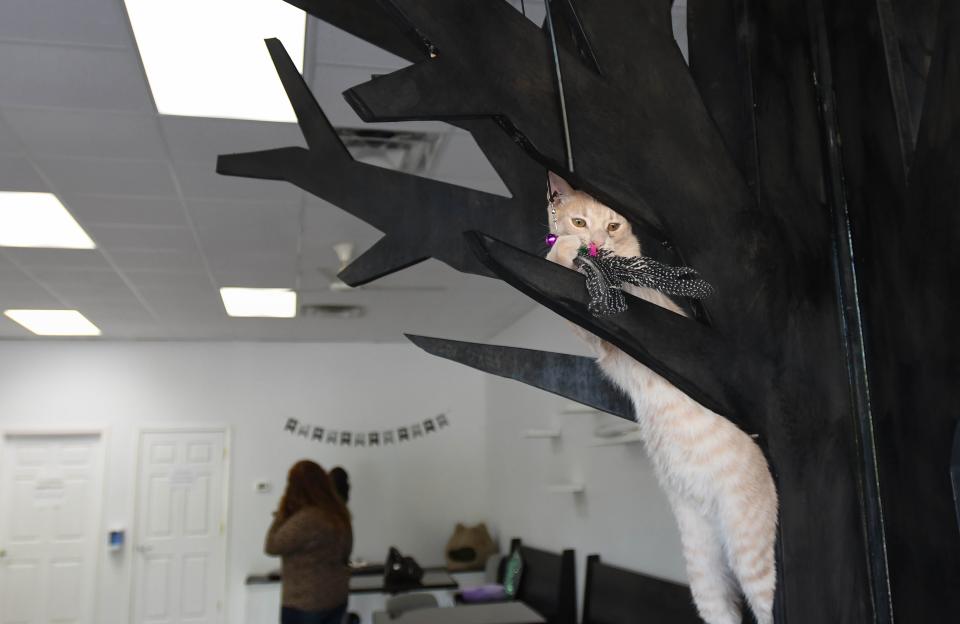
[326,435]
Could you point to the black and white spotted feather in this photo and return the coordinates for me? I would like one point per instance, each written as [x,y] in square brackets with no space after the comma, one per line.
[606,273]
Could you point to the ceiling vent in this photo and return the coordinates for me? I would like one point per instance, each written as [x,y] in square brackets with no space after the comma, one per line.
[400,150]
[332,310]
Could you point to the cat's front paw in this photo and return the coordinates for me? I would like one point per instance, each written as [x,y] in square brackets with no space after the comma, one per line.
[564,250]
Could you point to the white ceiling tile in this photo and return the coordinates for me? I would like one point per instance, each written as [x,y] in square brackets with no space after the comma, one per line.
[17,291]
[87,133]
[9,142]
[160,260]
[153,283]
[117,237]
[237,265]
[203,182]
[253,215]
[118,300]
[99,22]
[9,329]
[42,258]
[274,239]
[119,310]
[126,210]
[72,77]
[57,275]
[186,305]
[17,174]
[193,139]
[234,226]
[69,283]
[337,46]
[7,266]
[108,177]
[461,157]
[267,278]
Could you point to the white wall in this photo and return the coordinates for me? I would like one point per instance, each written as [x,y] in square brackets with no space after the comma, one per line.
[623,516]
[409,495]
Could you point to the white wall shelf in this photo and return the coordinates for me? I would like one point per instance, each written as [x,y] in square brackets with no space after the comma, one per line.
[575,487]
[615,430]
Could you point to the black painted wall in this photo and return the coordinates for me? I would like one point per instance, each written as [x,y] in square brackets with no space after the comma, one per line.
[905,220]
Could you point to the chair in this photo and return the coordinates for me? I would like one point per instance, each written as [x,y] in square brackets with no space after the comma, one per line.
[614,595]
[548,583]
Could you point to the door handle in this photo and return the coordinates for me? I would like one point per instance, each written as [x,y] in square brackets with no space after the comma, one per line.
[144,548]
[3,553]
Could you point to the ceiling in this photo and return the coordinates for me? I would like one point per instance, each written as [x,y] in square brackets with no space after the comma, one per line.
[77,119]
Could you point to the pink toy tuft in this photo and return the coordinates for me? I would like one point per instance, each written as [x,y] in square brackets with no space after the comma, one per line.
[593,250]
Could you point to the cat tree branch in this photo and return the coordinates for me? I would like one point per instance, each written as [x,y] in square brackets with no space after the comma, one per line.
[373,194]
[646,146]
[571,376]
[693,357]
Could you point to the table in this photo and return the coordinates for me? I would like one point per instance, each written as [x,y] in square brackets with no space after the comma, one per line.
[262,602]
[432,579]
[494,613]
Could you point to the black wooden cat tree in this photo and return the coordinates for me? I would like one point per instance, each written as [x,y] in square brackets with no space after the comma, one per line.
[806,163]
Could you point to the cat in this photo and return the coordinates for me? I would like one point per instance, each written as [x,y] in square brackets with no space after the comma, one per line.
[715,477]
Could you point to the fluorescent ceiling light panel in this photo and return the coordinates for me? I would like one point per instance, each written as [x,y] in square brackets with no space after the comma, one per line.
[39,220]
[54,322]
[263,302]
[206,58]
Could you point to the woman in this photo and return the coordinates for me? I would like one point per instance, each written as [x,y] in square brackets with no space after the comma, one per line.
[341,483]
[311,532]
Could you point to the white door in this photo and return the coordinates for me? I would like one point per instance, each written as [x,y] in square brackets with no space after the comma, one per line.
[180,538]
[50,502]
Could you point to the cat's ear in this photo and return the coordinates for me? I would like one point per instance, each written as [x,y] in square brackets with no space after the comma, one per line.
[559,187]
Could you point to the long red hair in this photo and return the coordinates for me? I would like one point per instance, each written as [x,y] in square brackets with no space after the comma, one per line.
[309,485]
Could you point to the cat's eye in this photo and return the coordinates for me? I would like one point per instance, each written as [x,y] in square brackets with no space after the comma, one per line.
[613,227]
[578,222]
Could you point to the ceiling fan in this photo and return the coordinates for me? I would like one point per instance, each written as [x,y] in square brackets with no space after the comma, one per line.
[344,252]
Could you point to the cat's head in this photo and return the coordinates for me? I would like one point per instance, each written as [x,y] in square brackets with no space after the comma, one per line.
[580,215]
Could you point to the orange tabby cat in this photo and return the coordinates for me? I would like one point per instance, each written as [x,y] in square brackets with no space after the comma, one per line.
[715,476]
